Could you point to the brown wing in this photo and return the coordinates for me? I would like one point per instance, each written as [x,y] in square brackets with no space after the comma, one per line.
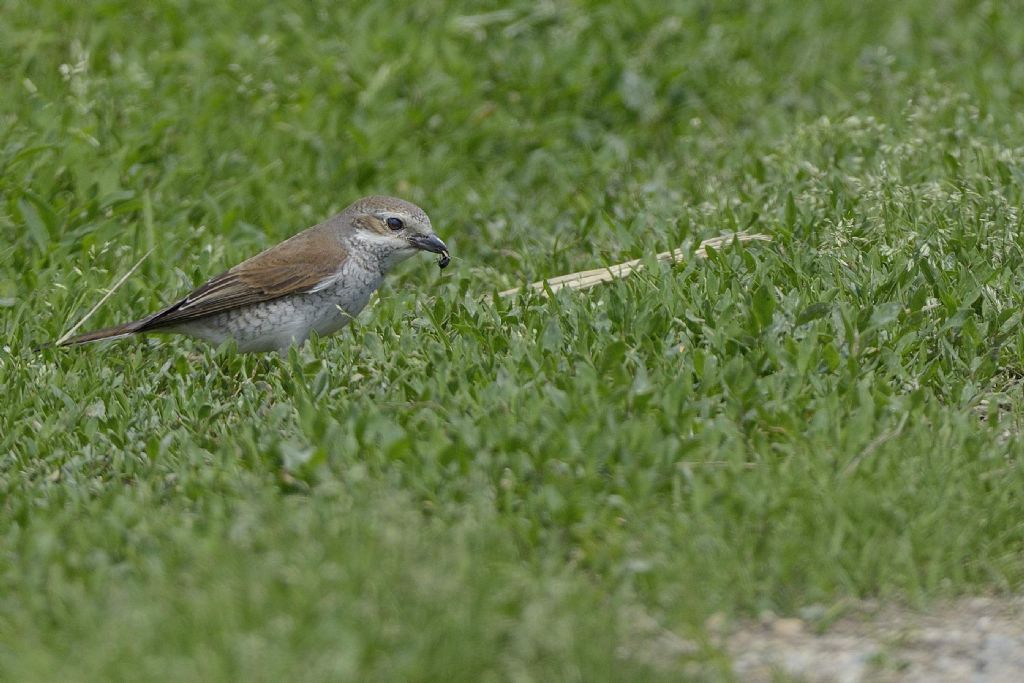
[297,265]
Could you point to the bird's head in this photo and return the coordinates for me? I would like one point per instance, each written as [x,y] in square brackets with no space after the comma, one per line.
[395,227]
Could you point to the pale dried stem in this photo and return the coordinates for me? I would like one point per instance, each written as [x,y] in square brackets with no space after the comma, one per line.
[589,278]
[117,285]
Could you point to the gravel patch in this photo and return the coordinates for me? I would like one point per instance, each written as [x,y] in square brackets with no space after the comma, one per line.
[974,640]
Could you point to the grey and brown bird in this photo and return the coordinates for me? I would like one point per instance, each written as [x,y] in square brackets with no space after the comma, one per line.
[317,280]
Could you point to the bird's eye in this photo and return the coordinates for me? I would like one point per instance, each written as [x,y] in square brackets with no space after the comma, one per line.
[395,223]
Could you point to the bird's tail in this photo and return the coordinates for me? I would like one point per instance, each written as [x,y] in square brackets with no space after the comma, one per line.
[115,332]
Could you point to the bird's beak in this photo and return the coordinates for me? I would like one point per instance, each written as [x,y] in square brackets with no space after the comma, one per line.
[433,244]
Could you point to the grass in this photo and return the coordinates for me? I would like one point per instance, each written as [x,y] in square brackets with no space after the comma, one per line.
[470,488]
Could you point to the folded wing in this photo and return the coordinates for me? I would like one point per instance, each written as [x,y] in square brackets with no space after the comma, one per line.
[298,265]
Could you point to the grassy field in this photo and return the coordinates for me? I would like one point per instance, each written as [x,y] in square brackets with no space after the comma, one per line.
[466,488]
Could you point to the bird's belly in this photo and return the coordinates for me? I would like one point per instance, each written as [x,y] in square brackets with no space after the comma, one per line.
[276,325]
[332,314]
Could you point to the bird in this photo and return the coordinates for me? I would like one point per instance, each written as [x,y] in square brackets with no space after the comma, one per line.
[315,281]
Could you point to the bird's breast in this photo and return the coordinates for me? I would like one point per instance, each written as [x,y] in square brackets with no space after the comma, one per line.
[335,305]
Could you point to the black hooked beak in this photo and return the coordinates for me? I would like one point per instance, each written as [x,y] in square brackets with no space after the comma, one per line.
[432,244]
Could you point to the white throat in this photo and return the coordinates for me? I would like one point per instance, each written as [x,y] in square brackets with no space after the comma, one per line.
[382,251]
